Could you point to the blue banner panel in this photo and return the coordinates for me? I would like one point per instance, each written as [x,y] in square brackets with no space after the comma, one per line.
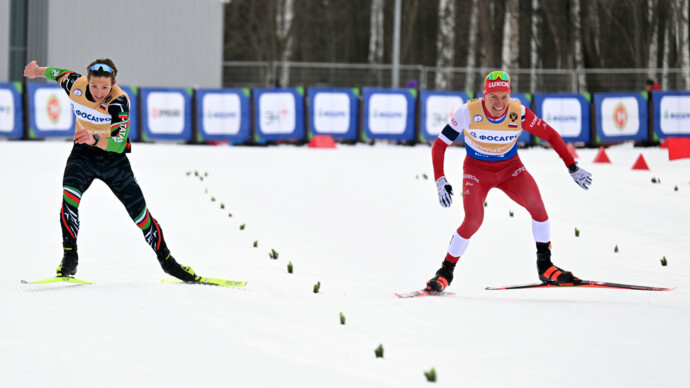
[389,113]
[334,112]
[671,114]
[166,114]
[50,111]
[11,111]
[621,116]
[436,110]
[223,115]
[133,111]
[567,113]
[279,114]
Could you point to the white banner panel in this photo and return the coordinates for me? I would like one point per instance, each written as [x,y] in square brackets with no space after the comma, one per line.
[620,116]
[439,110]
[564,115]
[332,112]
[387,114]
[166,113]
[222,113]
[277,113]
[53,110]
[675,115]
[6,111]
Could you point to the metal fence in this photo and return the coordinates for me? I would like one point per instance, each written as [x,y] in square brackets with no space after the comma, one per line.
[310,74]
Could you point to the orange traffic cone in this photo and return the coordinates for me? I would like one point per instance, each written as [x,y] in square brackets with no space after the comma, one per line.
[640,164]
[602,157]
[573,152]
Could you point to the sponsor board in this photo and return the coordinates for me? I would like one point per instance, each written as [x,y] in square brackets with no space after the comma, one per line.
[621,116]
[223,114]
[567,113]
[7,111]
[279,114]
[166,114]
[671,113]
[437,109]
[389,114]
[50,111]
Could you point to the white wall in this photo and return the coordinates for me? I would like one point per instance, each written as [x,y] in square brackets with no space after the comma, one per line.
[176,43]
[4,40]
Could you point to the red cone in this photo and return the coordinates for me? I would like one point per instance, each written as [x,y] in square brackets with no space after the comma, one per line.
[602,157]
[678,148]
[573,152]
[322,141]
[640,164]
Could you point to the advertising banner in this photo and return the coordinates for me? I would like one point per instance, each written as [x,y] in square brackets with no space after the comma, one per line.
[166,114]
[389,113]
[671,114]
[50,111]
[223,115]
[333,111]
[279,114]
[11,111]
[567,113]
[436,109]
[132,93]
[620,116]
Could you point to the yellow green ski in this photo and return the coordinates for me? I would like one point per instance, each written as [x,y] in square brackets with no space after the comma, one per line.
[211,282]
[58,279]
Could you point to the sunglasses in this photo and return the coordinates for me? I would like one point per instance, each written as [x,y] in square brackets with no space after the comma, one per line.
[101,66]
[494,75]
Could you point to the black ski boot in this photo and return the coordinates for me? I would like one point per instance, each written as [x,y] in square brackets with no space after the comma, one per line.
[173,268]
[443,277]
[549,273]
[68,266]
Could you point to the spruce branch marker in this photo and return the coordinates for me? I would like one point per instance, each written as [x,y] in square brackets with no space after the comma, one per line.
[577,232]
[342,319]
[431,375]
[317,287]
[273,254]
[379,351]
[289,266]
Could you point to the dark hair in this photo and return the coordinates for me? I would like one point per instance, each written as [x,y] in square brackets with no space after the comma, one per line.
[650,81]
[101,72]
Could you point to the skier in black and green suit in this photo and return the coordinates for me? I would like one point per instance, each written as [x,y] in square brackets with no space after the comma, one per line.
[101,144]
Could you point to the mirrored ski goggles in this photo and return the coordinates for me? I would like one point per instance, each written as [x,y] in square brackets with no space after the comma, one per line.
[101,66]
[494,75]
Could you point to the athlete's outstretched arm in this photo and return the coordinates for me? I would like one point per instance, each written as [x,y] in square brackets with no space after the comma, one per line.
[540,128]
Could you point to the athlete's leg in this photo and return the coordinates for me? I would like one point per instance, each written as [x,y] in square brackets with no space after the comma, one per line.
[77,178]
[521,188]
[120,178]
[476,184]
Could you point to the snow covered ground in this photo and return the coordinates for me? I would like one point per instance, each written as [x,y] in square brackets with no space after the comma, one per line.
[364,222]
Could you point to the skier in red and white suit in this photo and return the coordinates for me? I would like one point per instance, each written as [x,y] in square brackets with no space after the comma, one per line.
[491,126]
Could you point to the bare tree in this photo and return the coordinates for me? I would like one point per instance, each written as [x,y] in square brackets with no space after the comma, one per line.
[284,16]
[577,43]
[376,32]
[511,35]
[472,46]
[445,42]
